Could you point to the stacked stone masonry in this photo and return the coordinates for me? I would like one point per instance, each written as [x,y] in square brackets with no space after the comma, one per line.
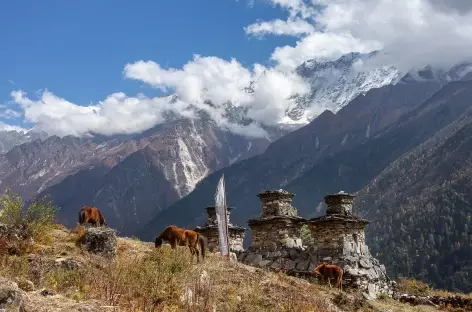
[277,203]
[210,231]
[276,231]
[338,239]
[278,225]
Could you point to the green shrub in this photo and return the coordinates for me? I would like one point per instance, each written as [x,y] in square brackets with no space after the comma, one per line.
[37,219]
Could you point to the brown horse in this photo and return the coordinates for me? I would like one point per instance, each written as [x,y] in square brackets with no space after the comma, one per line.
[182,237]
[330,271]
[91,215]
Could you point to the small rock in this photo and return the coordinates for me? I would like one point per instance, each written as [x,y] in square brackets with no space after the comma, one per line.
[11,298]
[289,265]
[365,263]
[242,256]
[293,253]
[68,264]
[312,267]
[265,263]
[100,240]
[46,292]
[301,266]
[277,264]
[254,259]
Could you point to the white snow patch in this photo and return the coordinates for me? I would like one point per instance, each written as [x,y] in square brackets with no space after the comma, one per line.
[193,170]
[367,133]
[43,186]
[39,174]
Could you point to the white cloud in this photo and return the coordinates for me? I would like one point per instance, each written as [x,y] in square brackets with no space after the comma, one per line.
[214,80]
[296,7]
[322,46]
[116,114]
[204,83]
[203,78]
[411,33]
[293,27]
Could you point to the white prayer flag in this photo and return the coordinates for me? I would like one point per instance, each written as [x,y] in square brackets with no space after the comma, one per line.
[220,208]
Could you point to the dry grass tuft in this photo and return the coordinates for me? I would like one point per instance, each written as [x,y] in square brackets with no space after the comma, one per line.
[77,234]
[414,287]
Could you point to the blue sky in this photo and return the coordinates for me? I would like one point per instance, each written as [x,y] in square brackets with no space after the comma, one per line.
[78,49]
[95,58]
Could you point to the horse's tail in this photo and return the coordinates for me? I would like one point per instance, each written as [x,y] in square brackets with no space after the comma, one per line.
[102,219]
[81,216]
[203,244]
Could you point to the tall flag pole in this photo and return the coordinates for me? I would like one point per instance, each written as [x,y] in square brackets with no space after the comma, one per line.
[220,208]
[226,219]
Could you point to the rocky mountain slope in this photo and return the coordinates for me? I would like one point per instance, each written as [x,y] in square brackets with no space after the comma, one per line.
[425,196]
[30,168]
[12,138]
[159,167]
[294,155]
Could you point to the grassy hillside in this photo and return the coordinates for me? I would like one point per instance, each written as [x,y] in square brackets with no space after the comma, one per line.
[142,278]
[53,272]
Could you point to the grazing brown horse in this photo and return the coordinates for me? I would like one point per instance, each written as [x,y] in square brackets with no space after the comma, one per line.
[182,237]
[91,215]
[330,271]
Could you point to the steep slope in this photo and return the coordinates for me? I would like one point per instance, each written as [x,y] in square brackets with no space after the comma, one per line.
[421,206]
[32,167]
[293,155]
[354,168]
[169,164]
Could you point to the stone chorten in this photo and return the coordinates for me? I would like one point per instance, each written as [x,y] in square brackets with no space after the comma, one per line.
[278,225]
[210,230]
[338,232]
[339,238]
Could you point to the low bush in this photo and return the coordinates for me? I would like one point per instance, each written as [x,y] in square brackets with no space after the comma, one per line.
[36,220]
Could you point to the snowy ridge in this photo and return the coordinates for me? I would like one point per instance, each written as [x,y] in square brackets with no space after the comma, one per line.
[334,84]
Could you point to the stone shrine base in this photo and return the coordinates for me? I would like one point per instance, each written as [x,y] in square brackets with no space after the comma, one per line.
[361,272]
